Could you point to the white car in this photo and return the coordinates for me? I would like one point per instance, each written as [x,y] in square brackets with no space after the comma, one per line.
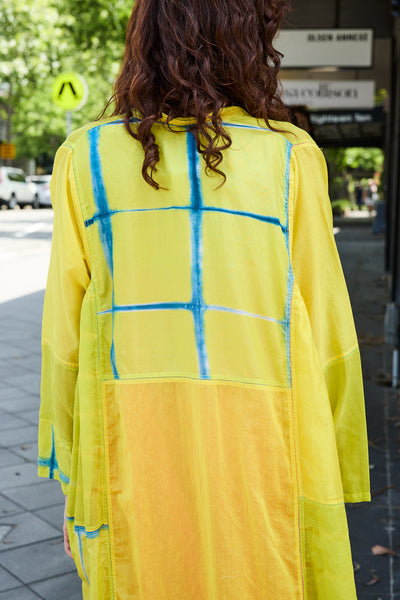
[15,188]
[42,183]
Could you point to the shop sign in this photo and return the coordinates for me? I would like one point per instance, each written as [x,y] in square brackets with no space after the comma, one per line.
[328,94]
[313,48]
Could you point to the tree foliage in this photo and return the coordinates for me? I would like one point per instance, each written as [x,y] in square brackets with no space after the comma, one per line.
[40,39]
[95,24]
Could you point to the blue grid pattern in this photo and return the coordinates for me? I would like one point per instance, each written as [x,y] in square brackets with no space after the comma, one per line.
[196,210]
[52,463]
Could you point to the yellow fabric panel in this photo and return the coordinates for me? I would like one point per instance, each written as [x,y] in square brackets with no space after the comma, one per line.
[327,565]
[68,278]
[170,348]
[201,491]
[157,256]
[344,382]
[262,250]
[87,466]
[316,264]
[83,186]
[263,362]
[319,476]
[69,269]
[324,298]
[262,187]
[137,193]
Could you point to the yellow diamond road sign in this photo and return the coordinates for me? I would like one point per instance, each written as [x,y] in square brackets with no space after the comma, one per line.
[70,91]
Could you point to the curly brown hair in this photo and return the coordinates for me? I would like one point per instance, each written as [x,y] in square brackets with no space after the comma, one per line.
[192,58]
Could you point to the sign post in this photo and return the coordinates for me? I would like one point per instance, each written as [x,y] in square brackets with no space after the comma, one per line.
[70,92]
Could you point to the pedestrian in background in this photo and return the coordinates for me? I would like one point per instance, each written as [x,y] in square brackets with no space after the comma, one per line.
[202,401]
[359,194]
[371,195]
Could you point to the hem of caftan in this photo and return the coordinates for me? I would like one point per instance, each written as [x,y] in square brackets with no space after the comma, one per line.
[56,475]
[346,498]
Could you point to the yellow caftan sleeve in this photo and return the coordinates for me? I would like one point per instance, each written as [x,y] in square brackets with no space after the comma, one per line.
[68,279]
[318,273]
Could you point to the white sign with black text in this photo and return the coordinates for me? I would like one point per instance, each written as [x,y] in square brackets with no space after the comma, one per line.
[304,48]
[328,94]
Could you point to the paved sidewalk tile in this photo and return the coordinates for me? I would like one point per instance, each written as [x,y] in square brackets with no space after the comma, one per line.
[29,452]
[25,528]
[21,593]
[19,435]
[32,416]
[8,458]
[40,494]
[37,562]
[7,581]
[9,421]
[17,401]
[7,507]
[66,587]
[19,475]
[29,382]
[53,515]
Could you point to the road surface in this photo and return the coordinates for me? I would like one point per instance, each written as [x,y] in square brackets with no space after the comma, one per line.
[25,242]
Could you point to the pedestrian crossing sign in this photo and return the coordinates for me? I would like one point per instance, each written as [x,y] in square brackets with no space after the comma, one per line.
[70,91]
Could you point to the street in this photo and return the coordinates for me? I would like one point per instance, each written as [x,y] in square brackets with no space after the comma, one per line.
[25,241]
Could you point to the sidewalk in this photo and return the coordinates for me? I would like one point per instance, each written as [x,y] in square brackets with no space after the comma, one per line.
[32,560]
[377,523]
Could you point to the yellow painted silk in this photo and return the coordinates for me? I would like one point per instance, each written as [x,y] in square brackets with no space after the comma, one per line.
[202,401]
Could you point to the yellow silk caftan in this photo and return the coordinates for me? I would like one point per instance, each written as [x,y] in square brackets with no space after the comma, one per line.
[202,401]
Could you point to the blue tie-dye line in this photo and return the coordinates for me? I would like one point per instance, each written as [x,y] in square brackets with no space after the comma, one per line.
[196,223]
[89,534]
[228,211]
[103,210]
[186,306]
[79,535]
[52,462]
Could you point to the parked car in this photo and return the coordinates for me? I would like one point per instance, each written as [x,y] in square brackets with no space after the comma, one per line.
[42,183]
[15,188]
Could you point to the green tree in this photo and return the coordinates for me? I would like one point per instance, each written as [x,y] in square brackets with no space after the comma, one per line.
[37,44]
[345,165]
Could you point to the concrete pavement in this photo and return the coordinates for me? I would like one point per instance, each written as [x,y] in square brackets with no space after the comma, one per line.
[32,561]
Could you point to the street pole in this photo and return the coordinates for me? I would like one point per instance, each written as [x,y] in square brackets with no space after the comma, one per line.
[69,122]
[9,117]
[395,183]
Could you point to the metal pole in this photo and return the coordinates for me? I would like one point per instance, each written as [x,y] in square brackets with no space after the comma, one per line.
[69,122]
[389,162]
[395,368]
[9,117]
[395,230]
[394,176]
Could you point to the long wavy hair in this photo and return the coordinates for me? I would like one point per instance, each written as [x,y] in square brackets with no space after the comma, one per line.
[192,58]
